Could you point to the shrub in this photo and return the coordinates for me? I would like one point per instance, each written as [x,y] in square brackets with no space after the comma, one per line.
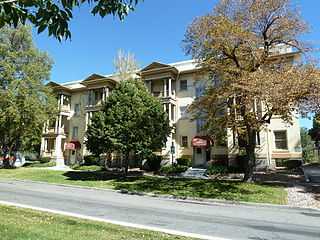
[292,164]
[83,167]
[154,162]
[171,169]
[45,159]
[218,169]
[91,160]
[184,161]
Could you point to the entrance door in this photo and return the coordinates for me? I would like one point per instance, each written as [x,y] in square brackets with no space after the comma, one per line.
[199,156]
[72,156]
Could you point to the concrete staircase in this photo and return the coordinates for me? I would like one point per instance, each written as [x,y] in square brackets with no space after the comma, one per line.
[194,173]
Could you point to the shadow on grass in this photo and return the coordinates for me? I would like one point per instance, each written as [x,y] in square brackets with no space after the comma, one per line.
[204,188]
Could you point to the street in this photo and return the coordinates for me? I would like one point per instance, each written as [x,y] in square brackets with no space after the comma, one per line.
[225,221]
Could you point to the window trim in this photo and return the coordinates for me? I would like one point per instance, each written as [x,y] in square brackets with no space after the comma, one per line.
[183,114]
[73,132]
[77,113]
[186,85]
[285,139]
[183,143]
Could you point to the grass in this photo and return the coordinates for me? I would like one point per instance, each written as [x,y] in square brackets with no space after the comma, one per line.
[25,224]
[83,167]
[204,188]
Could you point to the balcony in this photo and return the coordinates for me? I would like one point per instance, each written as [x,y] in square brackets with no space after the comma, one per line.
[59,126]
[162,88]
[97,96]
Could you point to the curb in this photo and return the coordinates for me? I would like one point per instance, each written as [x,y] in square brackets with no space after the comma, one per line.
[172,197]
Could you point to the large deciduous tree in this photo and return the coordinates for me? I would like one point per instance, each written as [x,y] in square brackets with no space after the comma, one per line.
[131,121]
[242,51]
[25,102]
[55,15]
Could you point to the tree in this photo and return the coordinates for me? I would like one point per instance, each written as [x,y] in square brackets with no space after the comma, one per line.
[25,102]
[240,51]
[55,15]
[131,121]
[307,146]
[314,132]
[125,66]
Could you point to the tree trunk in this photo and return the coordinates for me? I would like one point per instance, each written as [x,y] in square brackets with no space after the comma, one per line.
[126,163]
[251,157]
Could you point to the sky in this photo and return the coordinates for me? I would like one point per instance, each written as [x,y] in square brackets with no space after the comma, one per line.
[153,32]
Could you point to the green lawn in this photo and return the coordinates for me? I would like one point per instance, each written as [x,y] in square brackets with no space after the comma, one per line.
[25,224]
[217,189]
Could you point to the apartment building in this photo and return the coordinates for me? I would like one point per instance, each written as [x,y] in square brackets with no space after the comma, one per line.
[63,139]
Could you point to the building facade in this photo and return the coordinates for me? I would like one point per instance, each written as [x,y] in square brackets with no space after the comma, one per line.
[63,139]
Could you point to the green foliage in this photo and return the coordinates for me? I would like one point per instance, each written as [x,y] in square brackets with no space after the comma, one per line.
[292,164]
[154,162]
[184,161]
[131,121]
[84,167]
[25,102]
[314,132]
[40,164]
[55,15]
[91,160]
[174,169]
[307,146]
[45,159]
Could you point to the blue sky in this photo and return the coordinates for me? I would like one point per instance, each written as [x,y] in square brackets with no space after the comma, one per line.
[153,33]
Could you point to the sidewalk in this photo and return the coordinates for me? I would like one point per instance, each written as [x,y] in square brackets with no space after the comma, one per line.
[312,173]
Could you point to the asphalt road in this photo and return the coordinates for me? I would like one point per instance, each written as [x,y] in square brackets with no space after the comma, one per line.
[226,221]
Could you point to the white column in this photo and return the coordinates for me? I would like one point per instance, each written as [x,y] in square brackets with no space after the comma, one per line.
[103,94]
[149,86]
[58,154]
[43,145]
[107,92]
[164,87]
[60,123]
[56,124]
[169,87]
[169,113]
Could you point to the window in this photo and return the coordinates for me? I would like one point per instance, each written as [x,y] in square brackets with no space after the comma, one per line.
[281,139]
[199,150]
[183,112]
[77,109]
[183,85]
[184,141]
[50,143]
[75,133]
[66,100]
[200,123]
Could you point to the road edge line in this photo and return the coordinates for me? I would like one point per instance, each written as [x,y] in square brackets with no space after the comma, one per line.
[124,224]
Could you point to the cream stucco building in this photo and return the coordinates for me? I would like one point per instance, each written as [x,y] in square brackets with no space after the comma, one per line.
[63,139]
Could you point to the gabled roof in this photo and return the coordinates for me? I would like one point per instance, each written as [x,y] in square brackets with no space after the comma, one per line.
[155,65]
[93,77]
[57,86]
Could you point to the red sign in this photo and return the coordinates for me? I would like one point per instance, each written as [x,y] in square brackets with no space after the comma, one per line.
[201,142]
[73,145]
